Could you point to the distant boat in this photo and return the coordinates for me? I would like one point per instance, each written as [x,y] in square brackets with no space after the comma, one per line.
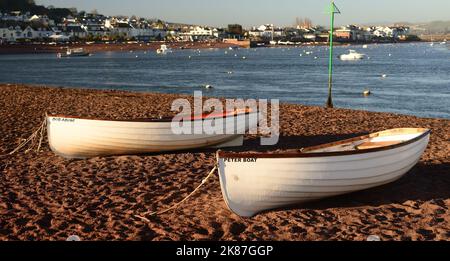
[233,47]
[255,182]
[77,52]
[73,137]
[163,50]
[365,46]
[352,55]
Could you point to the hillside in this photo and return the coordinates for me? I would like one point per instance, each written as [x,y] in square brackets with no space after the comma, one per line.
[24,6]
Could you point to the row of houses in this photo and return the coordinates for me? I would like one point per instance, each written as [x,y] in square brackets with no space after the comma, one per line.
[356,33]
[104,28]
[350,33]
[15,27]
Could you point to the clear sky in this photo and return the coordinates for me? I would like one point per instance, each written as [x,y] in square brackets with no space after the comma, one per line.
[255,12]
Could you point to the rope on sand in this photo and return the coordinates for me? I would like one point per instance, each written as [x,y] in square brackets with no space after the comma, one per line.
[35,139]
[157,213]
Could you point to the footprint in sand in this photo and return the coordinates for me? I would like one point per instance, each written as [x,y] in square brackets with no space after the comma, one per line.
[237,228]
[427,234]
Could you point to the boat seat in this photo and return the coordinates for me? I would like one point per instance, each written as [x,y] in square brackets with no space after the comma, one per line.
[373,145]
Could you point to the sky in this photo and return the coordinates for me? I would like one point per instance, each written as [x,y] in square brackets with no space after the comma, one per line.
[255,12]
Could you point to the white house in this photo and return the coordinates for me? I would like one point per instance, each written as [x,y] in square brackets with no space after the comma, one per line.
[75,31]
[8,34]
[266,31]
[202,33]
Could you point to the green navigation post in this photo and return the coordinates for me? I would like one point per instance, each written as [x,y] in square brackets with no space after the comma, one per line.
[333,10]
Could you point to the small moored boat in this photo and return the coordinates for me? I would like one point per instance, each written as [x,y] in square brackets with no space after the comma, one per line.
[255,182]
[73,137]
[352,55]
[163,50]
[77,52]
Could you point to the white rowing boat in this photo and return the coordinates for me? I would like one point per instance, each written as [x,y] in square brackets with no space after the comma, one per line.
[73,137]
[255,182]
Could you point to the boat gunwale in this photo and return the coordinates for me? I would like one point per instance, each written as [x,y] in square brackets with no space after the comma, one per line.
[156,120]
[302,154]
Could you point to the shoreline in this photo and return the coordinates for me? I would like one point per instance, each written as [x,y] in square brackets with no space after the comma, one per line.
[46,197]
[6,49]
[103,47]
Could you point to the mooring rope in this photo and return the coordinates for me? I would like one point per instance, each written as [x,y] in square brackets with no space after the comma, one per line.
[35,139]
[157,213]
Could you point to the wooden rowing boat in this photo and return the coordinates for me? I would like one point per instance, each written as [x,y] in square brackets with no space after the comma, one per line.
[256,182]
[73,137]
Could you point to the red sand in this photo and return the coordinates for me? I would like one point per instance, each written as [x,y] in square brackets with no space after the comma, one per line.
[94,48]
[45,197]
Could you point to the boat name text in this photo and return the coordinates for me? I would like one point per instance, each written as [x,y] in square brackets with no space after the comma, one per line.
[243,160]
[63,120]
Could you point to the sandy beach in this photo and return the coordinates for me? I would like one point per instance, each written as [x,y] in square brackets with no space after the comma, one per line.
[46,197]
[103,47]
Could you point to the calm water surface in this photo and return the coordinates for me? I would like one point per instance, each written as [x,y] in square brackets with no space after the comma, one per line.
[417,82]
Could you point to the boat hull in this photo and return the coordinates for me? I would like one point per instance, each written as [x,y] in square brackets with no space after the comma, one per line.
[250,186]
[84,138]
[351,57]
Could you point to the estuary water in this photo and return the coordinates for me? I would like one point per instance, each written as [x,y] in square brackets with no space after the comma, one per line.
[416,82]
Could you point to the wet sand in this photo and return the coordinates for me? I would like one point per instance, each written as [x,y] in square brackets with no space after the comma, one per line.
[113,47]
[46,197]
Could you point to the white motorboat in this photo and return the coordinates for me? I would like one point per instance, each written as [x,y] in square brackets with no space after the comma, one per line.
[352,55]
[255,182]
[73,137]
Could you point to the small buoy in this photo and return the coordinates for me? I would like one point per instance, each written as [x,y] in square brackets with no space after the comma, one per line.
[373,238]
[367,93]
[235,55]
[226,52]
[208,86]
[243,58]
[73,238]
[301,55]
[315,57]
[190,57]
[383,76]
[390,55]
[137,56]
